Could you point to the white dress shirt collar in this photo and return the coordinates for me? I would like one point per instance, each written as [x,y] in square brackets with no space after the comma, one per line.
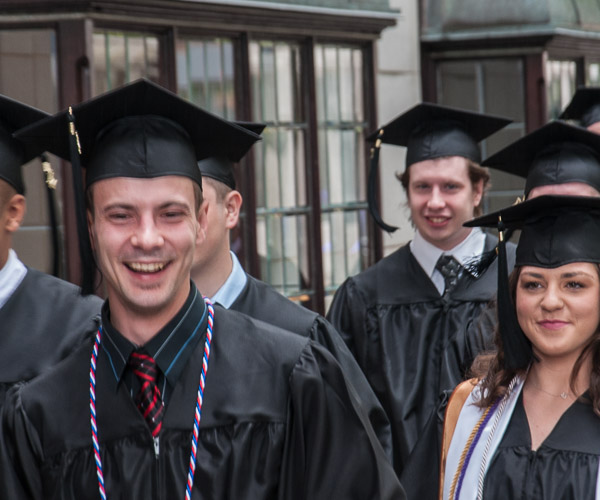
[233,286]
[427,254]
[11,276]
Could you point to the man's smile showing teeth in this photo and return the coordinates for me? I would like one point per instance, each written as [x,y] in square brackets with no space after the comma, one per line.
[142,267]
[437,220]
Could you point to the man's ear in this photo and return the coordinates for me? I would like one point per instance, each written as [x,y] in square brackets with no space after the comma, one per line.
[15,212]
[477,192]
[233,204]
[202,220]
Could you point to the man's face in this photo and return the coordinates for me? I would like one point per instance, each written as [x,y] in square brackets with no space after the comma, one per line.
[144,233]
[441,198]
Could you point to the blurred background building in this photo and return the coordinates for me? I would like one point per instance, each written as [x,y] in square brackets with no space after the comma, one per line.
[321,74]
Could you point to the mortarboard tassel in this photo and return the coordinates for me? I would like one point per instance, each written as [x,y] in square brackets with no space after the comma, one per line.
[517,348]
[85,249]
[372,186]
[51,182]
[481,263]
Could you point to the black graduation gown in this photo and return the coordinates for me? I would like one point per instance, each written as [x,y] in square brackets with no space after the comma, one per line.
[42,321]
[411,343]
[564,467]
[277,423]
[261,301]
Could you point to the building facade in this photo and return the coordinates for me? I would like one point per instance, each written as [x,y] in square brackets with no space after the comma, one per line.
[306,70]
[321,74]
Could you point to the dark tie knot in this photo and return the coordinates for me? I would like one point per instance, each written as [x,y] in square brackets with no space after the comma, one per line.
[149,399]
[450,269]
[143,365]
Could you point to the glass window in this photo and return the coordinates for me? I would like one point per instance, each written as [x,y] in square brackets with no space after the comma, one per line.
[341,126]
[494,86]
[205,74]
[122,57]
[280,182]
[560,85]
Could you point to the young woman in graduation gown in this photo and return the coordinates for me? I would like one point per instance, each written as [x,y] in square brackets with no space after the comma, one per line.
[530,427]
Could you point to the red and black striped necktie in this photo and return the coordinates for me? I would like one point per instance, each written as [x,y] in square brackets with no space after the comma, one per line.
[148,400]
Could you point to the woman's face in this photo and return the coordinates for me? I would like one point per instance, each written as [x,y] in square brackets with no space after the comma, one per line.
[559,309]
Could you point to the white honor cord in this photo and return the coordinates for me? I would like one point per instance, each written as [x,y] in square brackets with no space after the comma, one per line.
[488,442]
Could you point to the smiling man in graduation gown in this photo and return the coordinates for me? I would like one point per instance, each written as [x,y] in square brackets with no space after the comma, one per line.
[119,418]
[414,320]
[43,318]
[218,273]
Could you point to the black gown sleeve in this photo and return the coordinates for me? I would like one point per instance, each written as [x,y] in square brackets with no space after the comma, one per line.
[347,313]
[421,473]
[325,334]
[331,451]
[20,452]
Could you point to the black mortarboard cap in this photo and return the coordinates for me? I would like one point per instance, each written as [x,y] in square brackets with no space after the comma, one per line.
[140,130]
[13,116]
[585,106]
[220,168]
[431,131]
[555,231]
[553,154]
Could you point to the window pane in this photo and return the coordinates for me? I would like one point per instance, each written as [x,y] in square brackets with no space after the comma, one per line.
[285,78]
[121,57]
[280,167]
[560,79]
[341,127]
[345,249]
[205,74]
[457,84]
[151,55]
[263,72]
[330,83]
[136,52]
[117,59]
[283,250]
[101,63]
[593,75]
[503,77]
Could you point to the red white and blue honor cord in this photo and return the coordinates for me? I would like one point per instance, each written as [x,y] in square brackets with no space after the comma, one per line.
[197,413]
